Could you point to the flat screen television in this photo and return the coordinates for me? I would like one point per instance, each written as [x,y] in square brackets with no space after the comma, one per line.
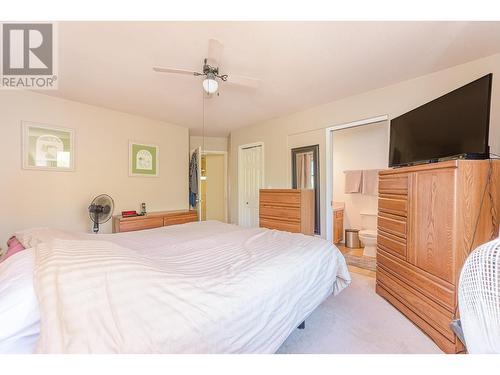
[454,125]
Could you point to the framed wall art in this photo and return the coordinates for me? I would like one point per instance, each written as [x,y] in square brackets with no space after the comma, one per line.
[47,147]
[143,160]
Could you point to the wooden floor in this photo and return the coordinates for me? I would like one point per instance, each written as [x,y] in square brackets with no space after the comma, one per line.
[356,252]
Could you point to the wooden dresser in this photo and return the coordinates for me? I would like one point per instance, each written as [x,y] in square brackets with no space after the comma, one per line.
[426,224]
[153,220]
[290,210]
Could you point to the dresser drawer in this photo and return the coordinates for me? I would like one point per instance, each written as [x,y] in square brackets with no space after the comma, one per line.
[393,205]
[141,224]
[280,212]
[446,345]
[392,244]
[287,226]
[286,198]
[339,214]
[429,285]
[427,309]
[392,225]
[393,185]
[180,219]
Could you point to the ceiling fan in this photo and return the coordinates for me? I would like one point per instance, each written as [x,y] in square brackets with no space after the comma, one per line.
[211,72]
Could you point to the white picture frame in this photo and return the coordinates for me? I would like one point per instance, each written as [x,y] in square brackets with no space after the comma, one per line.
[47,147]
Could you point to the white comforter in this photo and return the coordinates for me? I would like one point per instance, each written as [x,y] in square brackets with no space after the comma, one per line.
[194,288]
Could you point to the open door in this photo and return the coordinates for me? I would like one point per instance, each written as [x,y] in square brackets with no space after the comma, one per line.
[195,202]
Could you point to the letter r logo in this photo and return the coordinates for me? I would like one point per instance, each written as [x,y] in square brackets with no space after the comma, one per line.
[27,49]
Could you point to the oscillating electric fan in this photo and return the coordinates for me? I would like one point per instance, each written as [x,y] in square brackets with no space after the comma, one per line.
[100,210]
[479,299]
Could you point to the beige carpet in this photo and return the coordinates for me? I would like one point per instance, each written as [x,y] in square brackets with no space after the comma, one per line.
[358,321]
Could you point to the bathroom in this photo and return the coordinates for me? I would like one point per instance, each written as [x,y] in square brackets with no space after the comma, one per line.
[358,153]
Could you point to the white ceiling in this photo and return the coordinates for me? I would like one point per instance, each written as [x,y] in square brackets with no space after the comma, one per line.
[301,64]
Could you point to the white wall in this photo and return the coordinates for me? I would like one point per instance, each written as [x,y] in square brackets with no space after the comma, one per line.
[392,100]
[210,143]
[364,147]
[60,199]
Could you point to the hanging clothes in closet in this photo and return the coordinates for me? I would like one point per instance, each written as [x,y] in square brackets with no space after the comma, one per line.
[193,179]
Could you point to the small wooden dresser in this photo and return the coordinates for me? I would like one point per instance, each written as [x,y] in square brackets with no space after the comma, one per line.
[429,218]
[153,220]
[290,210]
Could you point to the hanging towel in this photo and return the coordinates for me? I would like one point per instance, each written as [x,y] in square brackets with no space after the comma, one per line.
[353,181]
[193,179]
[370,182]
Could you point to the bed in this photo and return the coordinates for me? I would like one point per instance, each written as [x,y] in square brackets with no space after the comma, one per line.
[203,287]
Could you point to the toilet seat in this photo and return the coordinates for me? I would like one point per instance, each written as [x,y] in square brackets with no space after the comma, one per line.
[368,233]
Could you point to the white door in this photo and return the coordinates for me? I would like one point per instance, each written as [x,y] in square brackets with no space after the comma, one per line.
[251,176]
[198,205]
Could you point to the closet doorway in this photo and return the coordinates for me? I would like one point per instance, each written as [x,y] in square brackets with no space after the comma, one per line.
[213,186]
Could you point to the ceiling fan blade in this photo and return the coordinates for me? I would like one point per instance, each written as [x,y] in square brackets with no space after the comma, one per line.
[214,52]
[174,70]
[243,81]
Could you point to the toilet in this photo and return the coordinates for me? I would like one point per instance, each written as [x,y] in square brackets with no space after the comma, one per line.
[368,234]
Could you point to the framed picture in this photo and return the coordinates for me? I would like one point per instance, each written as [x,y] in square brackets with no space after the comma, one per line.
[143,160]
[47,147]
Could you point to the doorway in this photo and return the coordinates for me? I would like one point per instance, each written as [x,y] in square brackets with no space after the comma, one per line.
[250,181]
[356,156]
[329,165]
[213,186]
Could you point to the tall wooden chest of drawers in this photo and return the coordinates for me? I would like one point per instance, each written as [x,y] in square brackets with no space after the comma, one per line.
[427,219]
[290,210]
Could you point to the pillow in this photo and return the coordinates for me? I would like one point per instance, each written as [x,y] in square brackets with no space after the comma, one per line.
[19,312]
[13,246]
[34,236]
[30,237]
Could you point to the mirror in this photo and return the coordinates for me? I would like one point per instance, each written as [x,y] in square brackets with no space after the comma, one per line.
[305,175]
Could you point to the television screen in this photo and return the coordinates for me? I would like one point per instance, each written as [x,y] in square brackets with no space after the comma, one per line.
[454,124]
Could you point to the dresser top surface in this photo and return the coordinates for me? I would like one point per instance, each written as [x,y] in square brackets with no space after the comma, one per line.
[157,214]
[284,190]
[438,165]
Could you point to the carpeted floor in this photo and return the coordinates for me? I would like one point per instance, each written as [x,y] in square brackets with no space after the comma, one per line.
[358,321]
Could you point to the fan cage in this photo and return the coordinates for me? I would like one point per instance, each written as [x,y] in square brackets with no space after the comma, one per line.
[102,200]
[479,299]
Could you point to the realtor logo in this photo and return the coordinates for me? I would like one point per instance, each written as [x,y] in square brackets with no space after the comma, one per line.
[28,56]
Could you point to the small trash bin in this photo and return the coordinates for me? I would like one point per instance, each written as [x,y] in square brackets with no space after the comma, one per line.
[352,238]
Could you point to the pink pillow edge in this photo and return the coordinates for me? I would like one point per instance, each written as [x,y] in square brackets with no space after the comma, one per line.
[13,246]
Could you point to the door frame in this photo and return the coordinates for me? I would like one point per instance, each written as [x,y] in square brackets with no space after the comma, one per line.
[240,175]
[329,164]
[209,152]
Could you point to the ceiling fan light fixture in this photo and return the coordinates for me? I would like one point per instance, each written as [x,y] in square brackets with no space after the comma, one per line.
[210,85]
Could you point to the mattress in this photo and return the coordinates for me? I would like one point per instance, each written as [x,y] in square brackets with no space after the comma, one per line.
[224,289]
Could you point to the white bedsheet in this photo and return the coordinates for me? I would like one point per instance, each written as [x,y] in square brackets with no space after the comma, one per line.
[214,288]
[19,313]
